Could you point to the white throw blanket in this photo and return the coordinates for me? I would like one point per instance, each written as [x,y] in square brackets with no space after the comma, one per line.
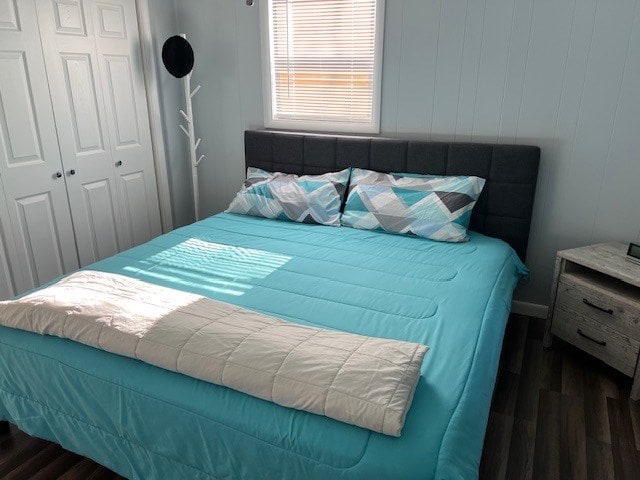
[360,380]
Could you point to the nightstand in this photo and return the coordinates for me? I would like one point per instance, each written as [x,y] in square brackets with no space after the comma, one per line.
[595,306]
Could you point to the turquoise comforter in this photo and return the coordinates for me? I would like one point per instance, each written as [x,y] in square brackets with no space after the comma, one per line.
[148,423]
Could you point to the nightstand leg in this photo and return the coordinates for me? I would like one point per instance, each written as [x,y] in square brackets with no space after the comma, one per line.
[548,337]
[4,427]
[547,341]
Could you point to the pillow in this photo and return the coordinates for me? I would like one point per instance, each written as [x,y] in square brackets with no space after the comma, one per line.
[306,198]
[432,207]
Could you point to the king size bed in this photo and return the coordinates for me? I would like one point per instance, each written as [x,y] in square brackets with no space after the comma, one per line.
[145,422]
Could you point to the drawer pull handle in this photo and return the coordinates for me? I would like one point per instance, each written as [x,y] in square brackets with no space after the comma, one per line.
[605,310]
[584,335]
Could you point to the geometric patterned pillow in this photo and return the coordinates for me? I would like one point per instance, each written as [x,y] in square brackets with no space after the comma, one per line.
[429,206]
[306,198]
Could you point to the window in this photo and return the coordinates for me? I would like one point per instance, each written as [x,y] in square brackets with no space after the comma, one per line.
[322,62]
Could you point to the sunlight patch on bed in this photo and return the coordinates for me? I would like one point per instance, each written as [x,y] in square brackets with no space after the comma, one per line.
[216,267]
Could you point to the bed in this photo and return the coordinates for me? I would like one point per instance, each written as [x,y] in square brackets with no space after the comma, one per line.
[147,423]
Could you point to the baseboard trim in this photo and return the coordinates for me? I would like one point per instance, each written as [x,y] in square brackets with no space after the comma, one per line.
[530,309]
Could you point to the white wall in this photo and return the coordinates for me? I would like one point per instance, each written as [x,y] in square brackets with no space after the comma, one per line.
[561,74]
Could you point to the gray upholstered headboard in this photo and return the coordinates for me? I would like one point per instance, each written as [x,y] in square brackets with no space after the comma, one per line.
[503,210]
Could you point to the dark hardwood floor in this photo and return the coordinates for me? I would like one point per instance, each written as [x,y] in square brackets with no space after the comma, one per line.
[23,457]
[556,414]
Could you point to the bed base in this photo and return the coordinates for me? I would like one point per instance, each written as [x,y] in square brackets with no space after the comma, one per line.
[4,427]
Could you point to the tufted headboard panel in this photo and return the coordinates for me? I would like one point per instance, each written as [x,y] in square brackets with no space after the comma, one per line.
[503,210]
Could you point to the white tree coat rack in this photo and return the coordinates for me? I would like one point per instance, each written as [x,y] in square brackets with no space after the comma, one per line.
[194,142]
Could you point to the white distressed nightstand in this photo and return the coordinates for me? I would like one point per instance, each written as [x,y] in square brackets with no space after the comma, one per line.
[595,306]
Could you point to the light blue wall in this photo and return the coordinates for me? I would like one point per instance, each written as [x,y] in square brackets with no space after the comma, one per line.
[562,74]
[226,40]
[164,23]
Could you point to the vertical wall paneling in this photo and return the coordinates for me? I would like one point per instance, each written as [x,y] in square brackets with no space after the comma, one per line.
[447,79]
[231,88]
[605,65]
[562,74]
[558,155]
[492,69]
[250,84]
[250,89]
[519,43]
[394,13]
[419,53]
[546,56]
[617,209]
[163,24]
[551,27]
[473,41]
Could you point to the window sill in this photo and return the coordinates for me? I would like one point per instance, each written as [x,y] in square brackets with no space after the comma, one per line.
[326,127]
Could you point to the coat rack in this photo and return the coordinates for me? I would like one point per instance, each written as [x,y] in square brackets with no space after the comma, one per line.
[178,58]
[189,131]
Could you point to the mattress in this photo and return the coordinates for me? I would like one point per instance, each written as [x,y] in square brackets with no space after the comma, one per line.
[147,423]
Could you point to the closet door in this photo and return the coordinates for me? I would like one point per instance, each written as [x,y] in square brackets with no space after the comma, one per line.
[76,93]
[39,230]
[8,286]
[102,123]
[120,63]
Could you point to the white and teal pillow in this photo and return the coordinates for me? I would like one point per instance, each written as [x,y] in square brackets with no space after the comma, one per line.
[306,198]
[429,206]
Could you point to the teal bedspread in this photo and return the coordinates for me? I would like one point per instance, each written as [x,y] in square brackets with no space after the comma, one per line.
[148,423]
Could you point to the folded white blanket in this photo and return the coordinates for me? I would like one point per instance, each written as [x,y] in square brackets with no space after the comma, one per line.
[360,380]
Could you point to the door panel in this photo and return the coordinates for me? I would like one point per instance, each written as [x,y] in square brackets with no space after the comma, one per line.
[133,186]
[7,289]
[101,217]
[123,101]
[8,15]
[41,235]
[69,17]
[122,79]
[111,20]
[78,102]
[8,276]
[19,129]
[79,83]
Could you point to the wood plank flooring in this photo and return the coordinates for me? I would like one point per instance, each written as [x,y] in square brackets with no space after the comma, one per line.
[23,457]
[556,414]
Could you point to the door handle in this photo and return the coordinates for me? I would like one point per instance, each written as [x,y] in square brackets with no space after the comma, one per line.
[119,163]
[72,172]
[57,174]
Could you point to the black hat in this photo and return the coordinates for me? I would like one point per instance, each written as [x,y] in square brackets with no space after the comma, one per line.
[177,56]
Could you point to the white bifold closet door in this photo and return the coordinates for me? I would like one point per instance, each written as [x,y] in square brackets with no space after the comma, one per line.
[77,179]
[38,239]
[92,54]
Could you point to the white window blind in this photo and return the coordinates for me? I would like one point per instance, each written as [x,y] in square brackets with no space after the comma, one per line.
[324,64]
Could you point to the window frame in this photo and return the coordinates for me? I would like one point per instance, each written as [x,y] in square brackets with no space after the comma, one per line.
[317,126]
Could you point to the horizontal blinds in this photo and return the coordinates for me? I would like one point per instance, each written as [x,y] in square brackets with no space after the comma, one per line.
[322,60]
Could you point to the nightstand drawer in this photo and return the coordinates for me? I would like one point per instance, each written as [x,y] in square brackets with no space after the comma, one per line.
[597,339]
[599,304]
